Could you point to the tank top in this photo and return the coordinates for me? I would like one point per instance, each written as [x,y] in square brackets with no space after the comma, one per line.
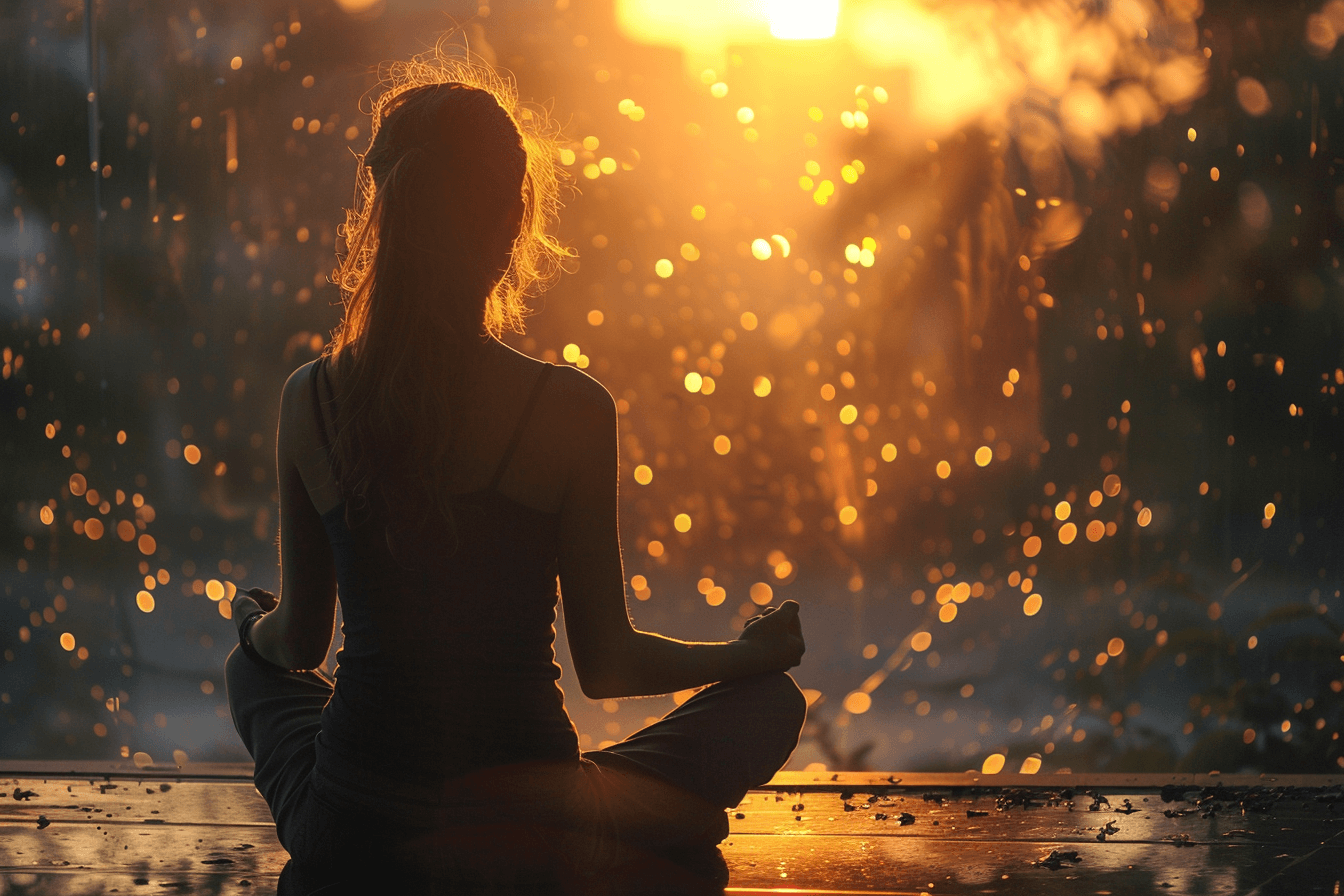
[451,669]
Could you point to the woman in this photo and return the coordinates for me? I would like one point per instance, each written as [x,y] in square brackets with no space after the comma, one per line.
[443,481]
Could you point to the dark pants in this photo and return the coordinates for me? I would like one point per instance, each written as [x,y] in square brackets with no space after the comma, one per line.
[661,791]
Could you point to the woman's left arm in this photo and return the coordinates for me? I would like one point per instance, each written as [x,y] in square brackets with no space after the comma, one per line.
[297,633]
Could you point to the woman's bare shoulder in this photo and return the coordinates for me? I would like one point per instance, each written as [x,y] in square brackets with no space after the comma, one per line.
[568,390]
[298,380]
[294,398]
[578,408]
[579,392]
[297,430]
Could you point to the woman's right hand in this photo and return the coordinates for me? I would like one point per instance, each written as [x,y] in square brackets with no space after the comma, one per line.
[779,634]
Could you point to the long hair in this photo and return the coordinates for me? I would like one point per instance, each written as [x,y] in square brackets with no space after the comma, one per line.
[431,266]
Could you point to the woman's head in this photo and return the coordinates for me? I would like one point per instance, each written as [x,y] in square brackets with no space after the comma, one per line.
[454,197]
[448,165]
[447,240]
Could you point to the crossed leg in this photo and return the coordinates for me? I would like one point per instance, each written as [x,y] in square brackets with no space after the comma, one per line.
[666,786]
[723,741]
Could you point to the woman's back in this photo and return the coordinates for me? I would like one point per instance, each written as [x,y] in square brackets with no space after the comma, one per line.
[449,667]
[493,396]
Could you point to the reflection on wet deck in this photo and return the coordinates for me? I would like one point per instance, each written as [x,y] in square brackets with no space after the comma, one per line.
[111,828]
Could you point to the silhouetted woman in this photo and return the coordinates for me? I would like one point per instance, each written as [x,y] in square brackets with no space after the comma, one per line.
[442,481]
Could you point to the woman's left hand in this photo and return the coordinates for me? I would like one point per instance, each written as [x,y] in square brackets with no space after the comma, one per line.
[245,603]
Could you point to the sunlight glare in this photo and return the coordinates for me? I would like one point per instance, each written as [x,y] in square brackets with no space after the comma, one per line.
[802,19]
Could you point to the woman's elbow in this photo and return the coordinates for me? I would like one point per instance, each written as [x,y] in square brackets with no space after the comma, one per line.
[304,657]
[605,665]
[597,692]
[308,664]
[603,680]
[596,686]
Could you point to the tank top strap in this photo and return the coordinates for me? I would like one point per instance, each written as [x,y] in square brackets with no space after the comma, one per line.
[522,425]
[317,402]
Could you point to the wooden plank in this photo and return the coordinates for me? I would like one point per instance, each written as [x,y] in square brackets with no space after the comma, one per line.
[814,892]
[82,882]
[144,801]
[961,813]
[123,830]
[125,768]
[759,863]
[792,782]
[107,829]
[826,865]
[803,782]
[1124,817]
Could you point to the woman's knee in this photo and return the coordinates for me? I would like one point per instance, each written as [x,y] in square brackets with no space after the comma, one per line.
[782,694]
[793,708]
[776,701]
[777,690]
[778,709]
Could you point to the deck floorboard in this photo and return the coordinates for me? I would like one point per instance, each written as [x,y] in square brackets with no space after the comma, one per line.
[79,830]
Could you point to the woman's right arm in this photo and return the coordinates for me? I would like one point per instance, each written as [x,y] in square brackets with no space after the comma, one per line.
[612,658]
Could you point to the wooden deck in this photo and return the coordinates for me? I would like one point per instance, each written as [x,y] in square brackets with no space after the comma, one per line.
[106,828]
